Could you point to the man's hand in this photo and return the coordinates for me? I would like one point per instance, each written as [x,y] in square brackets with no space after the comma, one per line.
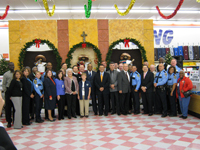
[120,91]
[58,97]
[42,96]
[101,89]
[112,86]
[78,97]
[74,93]
[171,94]
[135,90]
[155,84]
[88,97]
[50,98]
[143,89]
[32,96]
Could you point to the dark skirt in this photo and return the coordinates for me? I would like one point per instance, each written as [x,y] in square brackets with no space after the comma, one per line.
[50,104]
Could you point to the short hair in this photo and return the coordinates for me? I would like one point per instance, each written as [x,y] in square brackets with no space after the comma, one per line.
[174,59]
[34,67]
[83,74]
[81,65]
[74,66]
[172,67]
[16,72]
[101,65]
[38,72]
[69,69]
[63,64]
[144,66]
[111,63]
[134,66]
[60,71]
[152,65]
[47,73]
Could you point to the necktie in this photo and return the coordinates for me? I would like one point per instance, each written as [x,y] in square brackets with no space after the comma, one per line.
[127,76]
[144,75]
[101,77]
[158,77]
[89,74]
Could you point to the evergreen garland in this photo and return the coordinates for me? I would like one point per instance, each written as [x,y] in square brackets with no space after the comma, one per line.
[79,45]
[29,44]
[3,65]
[143,52]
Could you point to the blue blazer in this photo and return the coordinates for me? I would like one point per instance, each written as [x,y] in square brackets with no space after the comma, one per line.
[86,87]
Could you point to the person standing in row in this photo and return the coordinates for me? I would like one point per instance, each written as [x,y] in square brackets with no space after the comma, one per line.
[124,89]
[27,95]
[15,94]
[159,84]
[7,77]
[71,91]
[135,85]
[114,89]
[39,96]
[84,96]
[60,88]
[102,82]
[49,94]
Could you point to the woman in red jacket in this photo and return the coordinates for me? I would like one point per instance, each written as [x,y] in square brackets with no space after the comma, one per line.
[183,85]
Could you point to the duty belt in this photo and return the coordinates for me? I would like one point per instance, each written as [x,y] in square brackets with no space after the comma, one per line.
[134,86]
[169,86]
[160,87]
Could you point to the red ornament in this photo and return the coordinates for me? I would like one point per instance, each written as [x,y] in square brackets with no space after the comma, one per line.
[84,45]
[6,13]
[126,41]
[173,14]
[37,42]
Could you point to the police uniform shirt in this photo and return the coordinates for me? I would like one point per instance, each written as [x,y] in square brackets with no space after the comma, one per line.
[136,79]
[162,78]
[177,72]
[38,86]
[171,79]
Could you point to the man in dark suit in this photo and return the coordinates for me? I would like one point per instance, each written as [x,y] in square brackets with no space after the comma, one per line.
[90,77]
[147,79]
[124,89]
[102,83]
[114,89]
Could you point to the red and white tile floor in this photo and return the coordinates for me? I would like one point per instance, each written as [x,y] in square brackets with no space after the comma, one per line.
[111,132]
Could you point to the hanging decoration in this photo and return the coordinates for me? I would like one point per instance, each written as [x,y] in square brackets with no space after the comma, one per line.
[88,10]
[6,13]
[126,42]
[128,9]
[47,8]
[37,42]
[173,14]
[35,0]
[198,1]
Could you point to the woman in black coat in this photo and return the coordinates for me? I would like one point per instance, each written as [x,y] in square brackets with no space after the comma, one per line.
[26,96]
[49,93]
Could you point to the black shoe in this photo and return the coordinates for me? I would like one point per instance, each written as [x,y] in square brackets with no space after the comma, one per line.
[172,115]
[184,117]
[150,114]
[124,114]
[53,116]
[86,116]
[181,116]
[164,115]
[145,113]
[39,121]
[129,113]
[118,114]
[75,116]
[81,116]
[62,118]
[106,114]
[100,114]
[95,114]
[8,125]
[136,113]
[52,120]
[46,118]
[157,113]
[69,117]
[113,113]
[27,124]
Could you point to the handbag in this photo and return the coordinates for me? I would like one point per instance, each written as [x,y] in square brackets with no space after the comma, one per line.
[187,93]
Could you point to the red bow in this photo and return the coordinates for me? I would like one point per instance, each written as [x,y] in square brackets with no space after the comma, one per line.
[126,41]
[37,43]
[84,45]
[6,13]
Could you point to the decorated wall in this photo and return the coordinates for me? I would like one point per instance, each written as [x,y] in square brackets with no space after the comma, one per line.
[64,34]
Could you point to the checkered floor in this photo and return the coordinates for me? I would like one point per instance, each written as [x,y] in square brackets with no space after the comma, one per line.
[111,132]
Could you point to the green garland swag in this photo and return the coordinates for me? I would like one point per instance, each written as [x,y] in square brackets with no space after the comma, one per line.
[88,44]
[29,44]
[143,52]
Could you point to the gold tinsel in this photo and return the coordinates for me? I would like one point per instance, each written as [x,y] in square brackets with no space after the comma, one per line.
[198,1]
[128,9]
[47,8]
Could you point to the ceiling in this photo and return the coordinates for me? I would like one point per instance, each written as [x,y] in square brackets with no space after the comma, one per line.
[101,9]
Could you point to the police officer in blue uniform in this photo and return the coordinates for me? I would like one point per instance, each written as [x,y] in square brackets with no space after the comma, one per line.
[171,90]
[159,84]
[135,85]
[39,94]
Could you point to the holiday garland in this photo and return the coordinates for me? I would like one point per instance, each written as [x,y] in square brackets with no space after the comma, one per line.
[88,44]
[143,52]
[29,44]
[3,65]
[128,9]
[88,10]
[173,14]
[47,8]
[6,13]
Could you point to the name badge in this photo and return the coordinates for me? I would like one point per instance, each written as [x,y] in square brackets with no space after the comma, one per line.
[36,86]
[21,89]
[62,86]
[133,76]
[177,84]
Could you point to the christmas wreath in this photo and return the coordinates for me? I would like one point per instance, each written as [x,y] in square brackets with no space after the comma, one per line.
[83,45]
[125,41]
[37,42]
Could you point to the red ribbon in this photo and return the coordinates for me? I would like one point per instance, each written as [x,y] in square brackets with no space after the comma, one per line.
[6,13]
[173,14]
[84,45]
[126,41]
[37,42]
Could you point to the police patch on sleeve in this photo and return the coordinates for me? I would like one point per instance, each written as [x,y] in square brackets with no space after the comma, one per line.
[35,81]
[165,74]
[174,77]
[138,75]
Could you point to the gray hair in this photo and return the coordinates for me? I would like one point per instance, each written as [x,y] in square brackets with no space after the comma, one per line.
[69,69]
[34,67]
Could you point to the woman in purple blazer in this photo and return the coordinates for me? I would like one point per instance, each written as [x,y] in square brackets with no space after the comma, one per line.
[71,91]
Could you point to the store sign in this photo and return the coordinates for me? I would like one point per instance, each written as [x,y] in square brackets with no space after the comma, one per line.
[166,36]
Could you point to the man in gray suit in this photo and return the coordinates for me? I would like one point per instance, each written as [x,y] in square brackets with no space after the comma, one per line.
[124,89]
[114,89]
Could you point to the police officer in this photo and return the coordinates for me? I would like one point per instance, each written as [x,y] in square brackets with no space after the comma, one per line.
[39,94]
[171,86]
[135,85]
[159,84]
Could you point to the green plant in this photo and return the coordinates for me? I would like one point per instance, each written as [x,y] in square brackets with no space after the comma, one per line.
[3,65]
[168,58]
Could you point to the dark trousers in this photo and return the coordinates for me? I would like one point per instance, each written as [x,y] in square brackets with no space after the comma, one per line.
[38,106]
[32,107]
[61,107]
[25,109]
[77,106]
[172,102]
[124,102]
[8,108]
[147,102]
[5,141]
[154,101]
[136,100]
[115,102]
[94,101]
[161,100]
[71,105]
[103,99]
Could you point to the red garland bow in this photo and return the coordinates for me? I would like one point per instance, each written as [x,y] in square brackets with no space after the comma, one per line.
[84,45]
[6,13]
[173,14]
[126,41]
[37,43]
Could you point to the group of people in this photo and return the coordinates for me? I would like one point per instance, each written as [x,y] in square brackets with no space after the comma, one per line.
[116,89]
